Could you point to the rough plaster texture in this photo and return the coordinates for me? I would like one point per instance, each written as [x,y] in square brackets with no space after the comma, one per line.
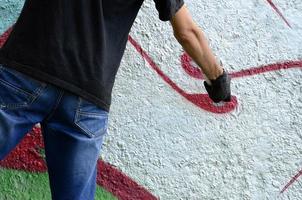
[9,11]
[179,151]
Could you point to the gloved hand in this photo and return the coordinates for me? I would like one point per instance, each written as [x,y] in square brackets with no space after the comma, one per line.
[220,88]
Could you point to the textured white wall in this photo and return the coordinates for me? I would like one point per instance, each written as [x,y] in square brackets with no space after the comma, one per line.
[180,151]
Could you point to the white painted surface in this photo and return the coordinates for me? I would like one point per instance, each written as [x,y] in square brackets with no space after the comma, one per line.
[179,151]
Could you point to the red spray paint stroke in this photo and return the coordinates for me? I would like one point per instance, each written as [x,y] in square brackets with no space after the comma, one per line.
[187,65]
[120,185]
[195,72]
[4,36]
[294,179]
[26,157]
[200,100]
[278,12]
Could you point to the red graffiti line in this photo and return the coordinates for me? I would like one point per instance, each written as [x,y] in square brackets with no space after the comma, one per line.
[278,12]
[27,157]
[292,181]
[200,100]
[195,72]
[187,65]
[120,185]
[4,36]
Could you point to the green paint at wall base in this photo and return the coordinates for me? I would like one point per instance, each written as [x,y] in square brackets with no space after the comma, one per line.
[20,185]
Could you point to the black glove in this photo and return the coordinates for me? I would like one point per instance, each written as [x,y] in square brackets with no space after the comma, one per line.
[220,90]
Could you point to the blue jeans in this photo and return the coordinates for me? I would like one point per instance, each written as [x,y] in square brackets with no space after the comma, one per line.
[73,131]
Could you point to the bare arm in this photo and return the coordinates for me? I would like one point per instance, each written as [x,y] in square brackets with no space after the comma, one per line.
[194,42]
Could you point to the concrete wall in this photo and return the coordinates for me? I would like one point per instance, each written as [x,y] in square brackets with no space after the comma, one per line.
[174,144]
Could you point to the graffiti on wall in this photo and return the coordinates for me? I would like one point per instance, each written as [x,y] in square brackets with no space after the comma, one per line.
[273,5]
[28,153]
[202,100]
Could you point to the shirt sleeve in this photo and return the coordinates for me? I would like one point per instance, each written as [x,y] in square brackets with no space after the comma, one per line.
[168,8]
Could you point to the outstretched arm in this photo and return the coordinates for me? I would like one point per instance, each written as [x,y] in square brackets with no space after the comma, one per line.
[194,42]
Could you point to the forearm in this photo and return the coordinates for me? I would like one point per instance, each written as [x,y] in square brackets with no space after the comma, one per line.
[194,42]
[196,45]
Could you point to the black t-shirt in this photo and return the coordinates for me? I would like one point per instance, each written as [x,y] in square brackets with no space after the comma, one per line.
[76,45]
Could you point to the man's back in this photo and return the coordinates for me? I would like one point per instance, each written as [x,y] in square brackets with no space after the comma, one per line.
[77,45]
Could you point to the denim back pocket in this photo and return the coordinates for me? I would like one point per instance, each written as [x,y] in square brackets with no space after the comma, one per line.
[91,119]
[17,89]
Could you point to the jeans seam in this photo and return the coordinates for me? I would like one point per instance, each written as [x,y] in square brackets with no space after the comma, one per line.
[37,92]
[14,106]
[15,88]
[78,110]
[32,96]
[86,131]
[29,101]
[91,114]
[55,106]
